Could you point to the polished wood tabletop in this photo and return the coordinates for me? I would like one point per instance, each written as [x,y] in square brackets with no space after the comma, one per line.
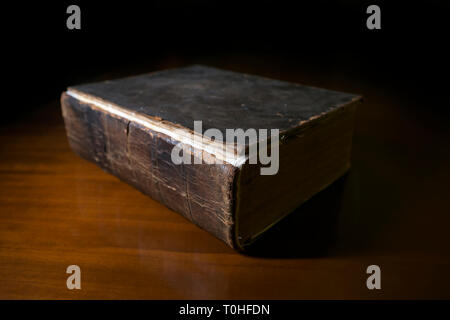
[391,210]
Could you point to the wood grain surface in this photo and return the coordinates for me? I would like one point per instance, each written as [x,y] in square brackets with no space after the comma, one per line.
[392,210]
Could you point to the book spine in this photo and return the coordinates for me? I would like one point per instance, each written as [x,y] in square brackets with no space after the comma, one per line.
[202,193]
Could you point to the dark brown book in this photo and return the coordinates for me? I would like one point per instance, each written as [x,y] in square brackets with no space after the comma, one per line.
[132,128]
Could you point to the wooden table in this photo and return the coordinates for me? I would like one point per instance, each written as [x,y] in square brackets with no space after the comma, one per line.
[392,210]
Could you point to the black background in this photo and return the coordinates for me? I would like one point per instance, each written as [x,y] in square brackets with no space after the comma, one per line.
[408,56]
[402,71]
[278,309]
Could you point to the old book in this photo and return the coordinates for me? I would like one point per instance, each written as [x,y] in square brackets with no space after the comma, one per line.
[133,127]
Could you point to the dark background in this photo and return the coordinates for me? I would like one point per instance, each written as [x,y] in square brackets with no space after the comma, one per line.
[408,56]
[394,207]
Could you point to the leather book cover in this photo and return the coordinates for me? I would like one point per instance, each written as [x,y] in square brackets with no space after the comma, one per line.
[132,127]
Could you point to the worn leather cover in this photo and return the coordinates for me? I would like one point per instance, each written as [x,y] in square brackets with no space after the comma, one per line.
[221,99]
[205,194]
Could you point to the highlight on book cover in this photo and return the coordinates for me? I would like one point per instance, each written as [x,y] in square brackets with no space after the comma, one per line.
[231,152]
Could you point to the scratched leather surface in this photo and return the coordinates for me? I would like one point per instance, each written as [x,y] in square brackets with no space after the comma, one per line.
[202,193]
[221,99]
